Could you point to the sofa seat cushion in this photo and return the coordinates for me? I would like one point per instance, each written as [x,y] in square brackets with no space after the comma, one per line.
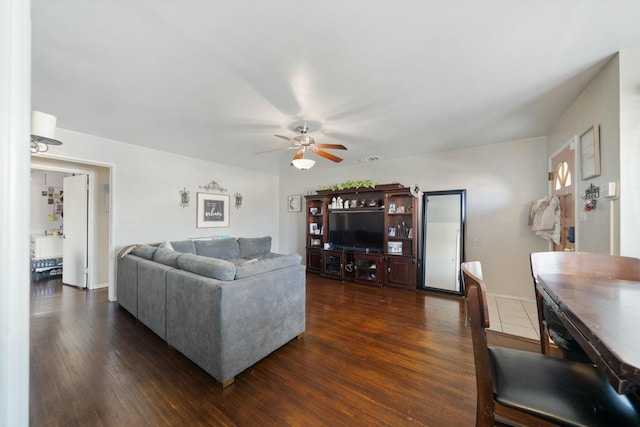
[144,251]
[266,263]
[221,249]
[254,247]
[209,267]
[167,257]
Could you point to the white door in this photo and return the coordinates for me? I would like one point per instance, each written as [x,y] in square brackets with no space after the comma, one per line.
[74,245]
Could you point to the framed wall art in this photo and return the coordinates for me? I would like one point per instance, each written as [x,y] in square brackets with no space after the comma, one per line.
[295,203]
[590,152]
[212,210]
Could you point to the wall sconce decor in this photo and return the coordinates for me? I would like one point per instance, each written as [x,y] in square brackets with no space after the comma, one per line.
[184,198]
[591,194]
[238,198]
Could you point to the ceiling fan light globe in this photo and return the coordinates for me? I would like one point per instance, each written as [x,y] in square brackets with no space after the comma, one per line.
[303,164]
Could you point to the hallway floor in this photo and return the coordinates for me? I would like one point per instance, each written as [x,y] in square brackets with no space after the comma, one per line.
[514,316]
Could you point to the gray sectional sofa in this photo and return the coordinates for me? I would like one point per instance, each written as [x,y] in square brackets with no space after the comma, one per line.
[225,304]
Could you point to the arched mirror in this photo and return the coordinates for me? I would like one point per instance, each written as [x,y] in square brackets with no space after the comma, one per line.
[443,226]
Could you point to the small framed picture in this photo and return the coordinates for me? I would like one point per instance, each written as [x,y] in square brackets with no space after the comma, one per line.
[395,248]
[313,228]
[392,208]
[294,203]
[315,242]
[392,232]
[590,152]
[313,211]
[400,209]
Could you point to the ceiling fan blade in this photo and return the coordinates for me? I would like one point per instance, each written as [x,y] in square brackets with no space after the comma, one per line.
[332,146]
[328,156]
[286,138]
[275,149]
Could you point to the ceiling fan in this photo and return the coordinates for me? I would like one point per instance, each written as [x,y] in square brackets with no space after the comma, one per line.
[304,143]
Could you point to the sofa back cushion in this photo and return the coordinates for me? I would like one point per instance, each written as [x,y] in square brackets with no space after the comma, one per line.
[222,249]
[254,247]
[208,267]
[184,246]
[144,251]
[265,264]
[167,257]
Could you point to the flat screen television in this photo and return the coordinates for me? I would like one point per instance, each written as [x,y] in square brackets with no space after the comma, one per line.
[358,231]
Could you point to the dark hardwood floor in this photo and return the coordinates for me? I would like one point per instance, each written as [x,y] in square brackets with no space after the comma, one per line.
[369,356]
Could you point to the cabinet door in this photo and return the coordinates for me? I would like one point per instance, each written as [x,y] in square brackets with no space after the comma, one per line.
[368,269]
[332,264]
[314,260]
[401,272]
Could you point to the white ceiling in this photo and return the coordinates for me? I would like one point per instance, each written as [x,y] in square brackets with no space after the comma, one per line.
[217,79]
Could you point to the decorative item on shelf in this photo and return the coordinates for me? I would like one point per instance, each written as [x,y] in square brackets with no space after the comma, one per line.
[238,198]
[392,208]
[392,232]
[395,248]
[313,211]
[213,186]
[415,190]
[400,209]
[184,197]
[349,185]
[43,132]
[591,194]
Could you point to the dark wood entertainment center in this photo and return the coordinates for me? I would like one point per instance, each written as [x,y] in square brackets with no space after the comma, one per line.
[392,263]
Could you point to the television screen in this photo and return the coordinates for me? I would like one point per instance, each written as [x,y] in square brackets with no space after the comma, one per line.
[357,230]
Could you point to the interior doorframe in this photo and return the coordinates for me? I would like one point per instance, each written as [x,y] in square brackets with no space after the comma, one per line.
[572,144]
[91,238]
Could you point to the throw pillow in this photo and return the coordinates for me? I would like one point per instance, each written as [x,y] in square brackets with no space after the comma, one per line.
[167,257]
[209,267]
[166,245]
[144,251]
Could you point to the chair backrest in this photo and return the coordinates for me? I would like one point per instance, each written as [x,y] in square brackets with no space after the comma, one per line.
[476,295]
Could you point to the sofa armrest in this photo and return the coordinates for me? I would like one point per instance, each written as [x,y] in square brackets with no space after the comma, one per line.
[127,283]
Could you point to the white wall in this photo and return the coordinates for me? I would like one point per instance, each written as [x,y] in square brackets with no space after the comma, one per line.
[629,152]
[501,181]
[145,187]
[597,105]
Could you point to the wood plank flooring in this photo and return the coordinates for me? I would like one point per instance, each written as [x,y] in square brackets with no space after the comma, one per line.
[369,356]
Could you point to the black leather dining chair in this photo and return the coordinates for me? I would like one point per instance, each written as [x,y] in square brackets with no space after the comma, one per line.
[523,388]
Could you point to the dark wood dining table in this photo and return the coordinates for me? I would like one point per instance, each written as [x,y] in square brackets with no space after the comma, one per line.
[603,315]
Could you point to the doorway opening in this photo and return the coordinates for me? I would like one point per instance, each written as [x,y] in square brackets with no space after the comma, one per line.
[97,270]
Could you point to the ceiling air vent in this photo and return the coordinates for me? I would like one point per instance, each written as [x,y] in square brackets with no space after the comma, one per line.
[369,159]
